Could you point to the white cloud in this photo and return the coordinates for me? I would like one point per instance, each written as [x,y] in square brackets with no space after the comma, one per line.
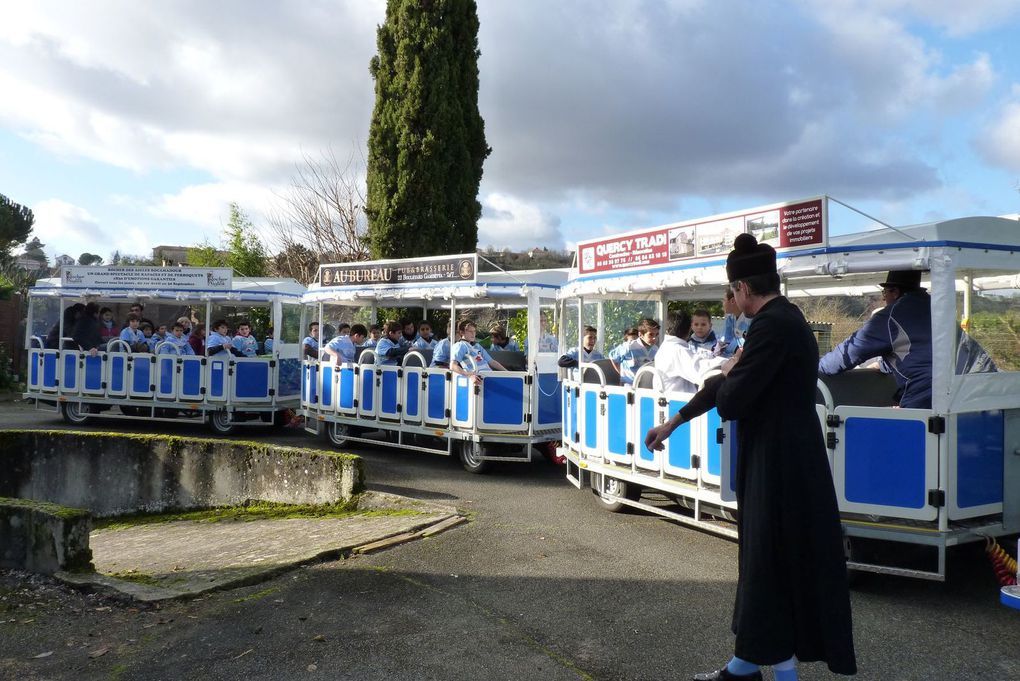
[509,222]
[66,229]
[955,17]
[999,141]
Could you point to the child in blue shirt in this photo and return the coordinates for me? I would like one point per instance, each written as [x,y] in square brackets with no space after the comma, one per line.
[408,335]
[175,342]
[344,348]
[244,341]
[631,356]
[157,337]
[218,343]
[586,353]
[736,326]
[374,334]
[133,336]
[389,350]
[468,358]
[702,335]
[310,345]
[425,339]
[501,342]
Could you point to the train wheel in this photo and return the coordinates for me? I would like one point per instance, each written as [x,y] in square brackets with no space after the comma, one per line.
[611,490]
[75,413]
[338,433]
[471,457]
[220,422]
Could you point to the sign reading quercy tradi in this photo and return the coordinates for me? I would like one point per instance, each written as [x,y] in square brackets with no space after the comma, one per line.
[781,225]
[441,269]
[187,278]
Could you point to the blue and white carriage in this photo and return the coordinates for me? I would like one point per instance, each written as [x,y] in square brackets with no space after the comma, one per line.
[910,482]
[433,409]
[224,390]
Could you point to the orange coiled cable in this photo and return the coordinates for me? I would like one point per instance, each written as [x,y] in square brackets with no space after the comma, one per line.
[1003,564]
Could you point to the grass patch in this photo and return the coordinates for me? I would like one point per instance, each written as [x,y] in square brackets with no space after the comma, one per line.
[252,510]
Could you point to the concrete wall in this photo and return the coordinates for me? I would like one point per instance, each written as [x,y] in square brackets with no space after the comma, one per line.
[42,537]
[112,474]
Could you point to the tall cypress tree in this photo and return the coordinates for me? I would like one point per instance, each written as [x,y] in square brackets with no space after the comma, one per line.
[426,143]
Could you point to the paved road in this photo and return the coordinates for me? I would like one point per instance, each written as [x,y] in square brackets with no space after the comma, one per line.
[542,584]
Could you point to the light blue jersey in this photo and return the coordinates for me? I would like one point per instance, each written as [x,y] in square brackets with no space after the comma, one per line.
[132,336]
[248,346]
[511,346]
[216,339]
[176,346]
[471,356]
[153,340]
[631,356]
[267,346]
[422,344]
[384,346]
[441,354]
[585,356]
[345,346]
[546,343]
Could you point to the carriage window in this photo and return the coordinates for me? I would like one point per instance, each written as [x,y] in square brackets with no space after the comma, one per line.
[291,322]
[990,337]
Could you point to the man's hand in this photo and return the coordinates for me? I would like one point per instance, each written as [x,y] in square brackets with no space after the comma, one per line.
[657,436]
[731,362]
[93,352]
[476,379]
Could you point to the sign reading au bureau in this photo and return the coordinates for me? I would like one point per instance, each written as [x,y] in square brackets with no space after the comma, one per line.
[782,225]
[187,278]
[441,269]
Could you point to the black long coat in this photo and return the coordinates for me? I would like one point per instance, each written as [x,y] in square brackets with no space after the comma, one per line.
[792,593]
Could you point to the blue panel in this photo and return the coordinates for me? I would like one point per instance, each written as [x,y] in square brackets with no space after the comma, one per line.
[313,384]
[327,384]
[118,367]
[573,419]
[345,389]
[251,379]
[591,415]
[288,377]
[714,449]
[93,373]
[568,434]
[305,373]
[885,462]
[49,371]
[979,460]
[680,440]
[70,372]
[191,378]
[617,414]
[140,376]
[390,393]
[502,400]
[166,377]
[412,389]
[549,407]
[463,397]
[437,396]
[217,378]
[367,389]
[646,421]
[33,369]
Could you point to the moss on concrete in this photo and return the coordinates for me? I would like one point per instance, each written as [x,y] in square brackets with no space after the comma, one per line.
[136,577]
[45,507]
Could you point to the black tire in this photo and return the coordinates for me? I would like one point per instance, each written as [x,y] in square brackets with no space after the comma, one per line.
[128,410]
[75,413]
[611,490]
[338,434]
[220,423]
[471,457]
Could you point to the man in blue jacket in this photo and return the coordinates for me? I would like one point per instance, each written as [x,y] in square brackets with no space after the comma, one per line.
[899,333]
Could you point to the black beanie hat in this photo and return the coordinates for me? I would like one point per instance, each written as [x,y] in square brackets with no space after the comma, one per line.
[749,258]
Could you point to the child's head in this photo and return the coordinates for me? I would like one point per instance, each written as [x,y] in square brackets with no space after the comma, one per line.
[243,329]
[220,326]
[630,334]
[136,308]
[184,322]
[133,320]
[425,330]
[106,314]
[591,334]
[343,329]
[374,331]
[313,329]
[498,335]
[407,327]
[269,332]
[198,331]
[358,334]
[701,323]
[146,328]
[178,330]
[648,331]
[393,329]
[467,330]
[161,331]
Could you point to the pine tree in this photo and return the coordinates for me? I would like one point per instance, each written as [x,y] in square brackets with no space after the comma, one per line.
[427,139]
[246,253]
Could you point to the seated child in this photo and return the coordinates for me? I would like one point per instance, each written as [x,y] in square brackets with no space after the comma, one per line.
[185,323]
[501,342]
[631,356]
[390,349]
[441,353]
[425,339]
[146,328]
[374,333]
[158,336]
[630,334]
[586,353]
[244,341]
[219,343]
[408,335]
[702,335]
[175,342]
[197,339]
[468,358]
[108,330]
[735,328]
[310,344]
[344,348]
[133,336]
[267,344]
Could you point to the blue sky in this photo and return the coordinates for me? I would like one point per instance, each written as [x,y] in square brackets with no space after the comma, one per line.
[126,125]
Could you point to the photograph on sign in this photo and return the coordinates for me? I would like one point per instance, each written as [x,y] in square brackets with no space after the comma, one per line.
[764,227]
[681,242]
[717,237]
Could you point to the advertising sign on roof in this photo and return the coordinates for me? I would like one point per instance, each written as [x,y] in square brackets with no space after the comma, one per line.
[784,226]
[187,278]
[442,269]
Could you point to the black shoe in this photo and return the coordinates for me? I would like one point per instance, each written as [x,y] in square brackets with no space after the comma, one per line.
[724,675]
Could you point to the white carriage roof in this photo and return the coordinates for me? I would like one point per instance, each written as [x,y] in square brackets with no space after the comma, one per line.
[489,285]
[242,288]
[848,262]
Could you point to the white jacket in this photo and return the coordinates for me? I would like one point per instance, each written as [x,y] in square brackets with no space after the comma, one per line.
[683,365]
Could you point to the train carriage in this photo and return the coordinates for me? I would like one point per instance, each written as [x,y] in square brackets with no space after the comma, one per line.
[910,482]
[420,407]
[226,391]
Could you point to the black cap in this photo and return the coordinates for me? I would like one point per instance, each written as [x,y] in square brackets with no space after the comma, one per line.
[906,280]
[749,258]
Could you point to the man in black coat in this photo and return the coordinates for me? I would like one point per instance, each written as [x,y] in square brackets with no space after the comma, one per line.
[792,599]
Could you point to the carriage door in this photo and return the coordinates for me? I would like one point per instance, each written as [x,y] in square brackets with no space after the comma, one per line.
[191,380]
[413,394]
[437,397]
[252,379]
[141,375]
